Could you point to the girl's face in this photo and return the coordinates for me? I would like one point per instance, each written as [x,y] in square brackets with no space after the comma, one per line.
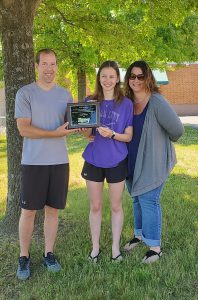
[108,79]
[137,80]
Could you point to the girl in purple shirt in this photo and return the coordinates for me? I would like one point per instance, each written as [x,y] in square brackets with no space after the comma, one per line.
[106,155]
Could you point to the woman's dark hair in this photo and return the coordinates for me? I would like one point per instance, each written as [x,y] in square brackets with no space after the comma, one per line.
[98,93]
[46,51]
[149,79]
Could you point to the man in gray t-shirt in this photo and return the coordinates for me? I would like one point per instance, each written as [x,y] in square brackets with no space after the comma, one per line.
[40,109]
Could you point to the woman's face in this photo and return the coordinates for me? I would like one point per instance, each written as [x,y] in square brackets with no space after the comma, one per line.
[108,79]
[137,80]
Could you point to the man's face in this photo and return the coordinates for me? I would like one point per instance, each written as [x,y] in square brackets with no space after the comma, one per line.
[47,67]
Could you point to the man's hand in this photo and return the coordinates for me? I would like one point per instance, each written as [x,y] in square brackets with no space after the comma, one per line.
[64,131]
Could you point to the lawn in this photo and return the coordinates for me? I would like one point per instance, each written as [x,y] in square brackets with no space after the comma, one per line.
[175,276]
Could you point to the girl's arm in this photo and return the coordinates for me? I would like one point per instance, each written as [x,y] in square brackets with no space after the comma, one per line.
[121,137]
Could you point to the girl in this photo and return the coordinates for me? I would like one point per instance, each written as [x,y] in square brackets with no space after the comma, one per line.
[106,155]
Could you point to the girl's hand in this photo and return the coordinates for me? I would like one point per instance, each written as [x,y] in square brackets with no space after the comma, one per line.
[91,138]
[105,132]
[81,130]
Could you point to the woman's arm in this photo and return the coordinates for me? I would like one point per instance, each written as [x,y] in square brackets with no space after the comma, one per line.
[168,119]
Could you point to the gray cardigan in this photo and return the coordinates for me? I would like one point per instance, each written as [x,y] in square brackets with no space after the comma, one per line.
[156,154]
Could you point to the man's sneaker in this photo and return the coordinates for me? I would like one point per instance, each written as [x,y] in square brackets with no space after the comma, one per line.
[51,262]
[23,271]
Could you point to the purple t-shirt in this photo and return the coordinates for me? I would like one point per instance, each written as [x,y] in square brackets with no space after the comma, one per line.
[106,152]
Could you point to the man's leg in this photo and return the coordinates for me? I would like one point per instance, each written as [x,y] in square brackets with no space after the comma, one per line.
[26,226]
[50,232]
[50,228]
[55,200]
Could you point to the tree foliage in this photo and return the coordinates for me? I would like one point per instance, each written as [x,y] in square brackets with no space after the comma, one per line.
[84,33]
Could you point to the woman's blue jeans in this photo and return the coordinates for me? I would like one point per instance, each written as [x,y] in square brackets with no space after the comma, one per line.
[148,217]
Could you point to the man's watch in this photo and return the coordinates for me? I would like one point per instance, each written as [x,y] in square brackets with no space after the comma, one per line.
[113,134]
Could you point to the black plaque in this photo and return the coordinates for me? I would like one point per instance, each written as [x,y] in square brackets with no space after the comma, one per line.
[83,114]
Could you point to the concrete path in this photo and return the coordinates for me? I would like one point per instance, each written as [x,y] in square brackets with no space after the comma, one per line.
[192,121]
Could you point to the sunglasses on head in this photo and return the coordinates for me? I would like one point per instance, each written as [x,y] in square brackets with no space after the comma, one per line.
[134,76]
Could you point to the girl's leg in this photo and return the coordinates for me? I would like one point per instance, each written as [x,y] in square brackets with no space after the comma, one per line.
[95,191]
[115,195]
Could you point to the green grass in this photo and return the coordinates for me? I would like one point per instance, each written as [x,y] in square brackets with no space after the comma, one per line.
[175,276]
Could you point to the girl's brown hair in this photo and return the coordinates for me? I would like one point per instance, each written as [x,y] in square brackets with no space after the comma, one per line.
[98,93]
[149,79]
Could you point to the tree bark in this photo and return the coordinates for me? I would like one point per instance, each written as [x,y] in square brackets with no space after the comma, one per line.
[18,54]
[81,85]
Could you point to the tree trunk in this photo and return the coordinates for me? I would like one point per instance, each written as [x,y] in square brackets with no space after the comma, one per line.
[18,54]
[81,85]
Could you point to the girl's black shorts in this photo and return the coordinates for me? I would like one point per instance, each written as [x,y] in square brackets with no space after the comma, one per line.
[112,175]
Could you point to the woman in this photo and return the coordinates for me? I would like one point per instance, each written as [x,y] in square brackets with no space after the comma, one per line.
[106,156]
[151,155]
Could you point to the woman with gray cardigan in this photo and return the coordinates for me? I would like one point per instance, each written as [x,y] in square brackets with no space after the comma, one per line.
[151,155]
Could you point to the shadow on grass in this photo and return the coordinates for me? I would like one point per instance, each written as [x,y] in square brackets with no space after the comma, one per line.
[180,209]
[179,204]
[3,148]
[76,143]
[190,137]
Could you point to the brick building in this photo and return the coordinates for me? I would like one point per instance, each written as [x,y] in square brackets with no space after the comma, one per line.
[182,89]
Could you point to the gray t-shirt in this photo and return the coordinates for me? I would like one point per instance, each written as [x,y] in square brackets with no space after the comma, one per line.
[46,109]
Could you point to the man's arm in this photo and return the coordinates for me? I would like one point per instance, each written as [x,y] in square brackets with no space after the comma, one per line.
[26,129]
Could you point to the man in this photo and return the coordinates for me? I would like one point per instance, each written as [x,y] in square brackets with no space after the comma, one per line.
[40,108]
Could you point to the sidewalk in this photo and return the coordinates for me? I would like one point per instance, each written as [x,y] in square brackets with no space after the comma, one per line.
[2,130]
[192,121]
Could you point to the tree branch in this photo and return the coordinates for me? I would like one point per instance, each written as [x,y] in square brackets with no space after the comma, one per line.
[69,22]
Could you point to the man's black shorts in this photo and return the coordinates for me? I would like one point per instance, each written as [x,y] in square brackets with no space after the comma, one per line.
[112,175]
[44,185]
